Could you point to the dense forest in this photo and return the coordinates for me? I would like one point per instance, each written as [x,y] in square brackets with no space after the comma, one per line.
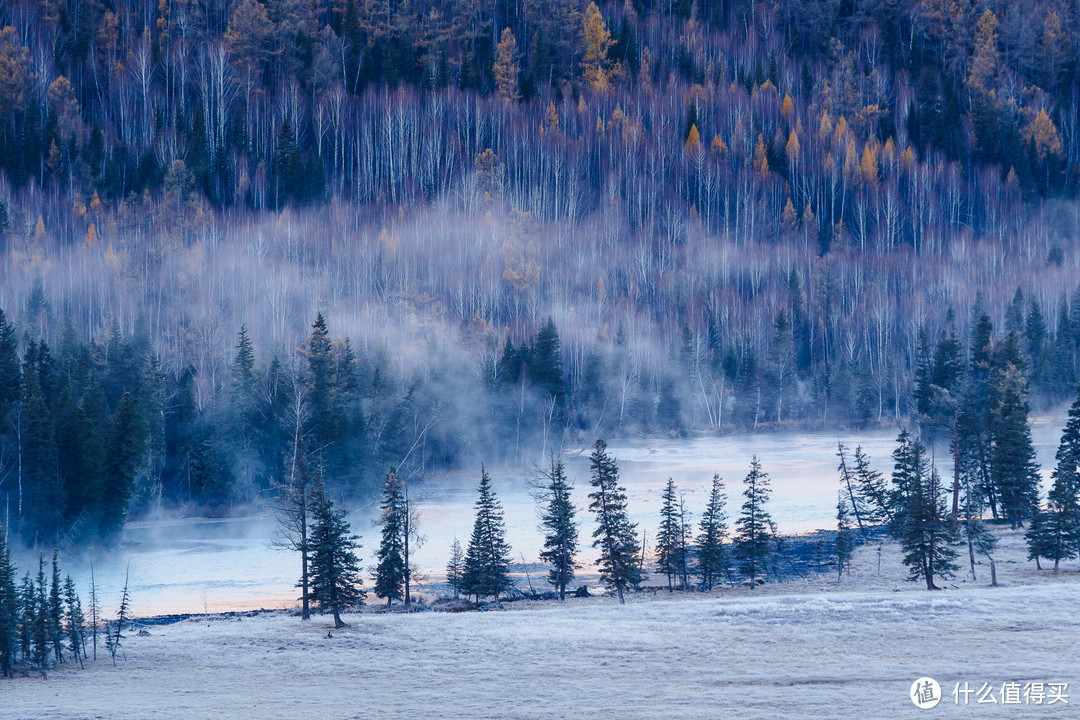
[412,235]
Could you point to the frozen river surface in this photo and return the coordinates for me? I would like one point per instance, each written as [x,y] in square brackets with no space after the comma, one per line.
[196,565]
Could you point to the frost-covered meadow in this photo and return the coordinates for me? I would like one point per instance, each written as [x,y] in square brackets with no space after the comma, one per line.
[808,649]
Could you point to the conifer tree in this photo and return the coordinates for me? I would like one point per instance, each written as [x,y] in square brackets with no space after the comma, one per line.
[712,554]
[507,67]
[40,502]
[845,541]
[920,522]
[114,637]
[559,527]
[390,571]
[487,559]
[76,621]
[615,535]
[754,546]
[125,452]
[1056,535]
[9,608]
[670,553]
[56,612]
[1014,471]
[37,610]
[335,569]
[455,568]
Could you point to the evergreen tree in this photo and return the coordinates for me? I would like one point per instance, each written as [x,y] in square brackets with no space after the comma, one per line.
[920,523]
[41,503]
[845,541]
[390,571]
[1056,535]
[545,365]
[56,611]
[10,374]
[335,569]
[125,452]
[9,608]
[871,490]
[755,541]
[670,553]
[37,609]
[487,559]
[615,535]
[76,622]
[559,528]
[1014,472]
[114,636]
[455,568]
[712,554]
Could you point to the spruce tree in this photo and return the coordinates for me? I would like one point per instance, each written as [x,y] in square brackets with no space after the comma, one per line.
[845,541]
[615,535]
[670,555]
[754,546]
[390,571]
[76,621]
[125,453]
[10,373]
[455,568]
[1056,536]
[335,569]
[487,559]
[712,554]
[920,523]
[871,490]
[1014,471]
[559,528]
[40,503]
[56,612]
[9,608]
[38,612]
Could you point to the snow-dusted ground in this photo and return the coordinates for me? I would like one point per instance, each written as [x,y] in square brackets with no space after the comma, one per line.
[813,648]
[192,565]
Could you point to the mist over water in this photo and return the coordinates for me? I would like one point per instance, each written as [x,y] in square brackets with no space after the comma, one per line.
[194,565]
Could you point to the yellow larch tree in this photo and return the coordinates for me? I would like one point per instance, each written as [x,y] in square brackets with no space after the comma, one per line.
[597,43]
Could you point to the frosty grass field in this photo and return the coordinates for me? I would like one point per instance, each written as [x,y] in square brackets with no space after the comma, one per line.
[808,648]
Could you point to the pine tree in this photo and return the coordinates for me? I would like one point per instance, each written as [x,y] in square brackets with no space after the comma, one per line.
[559,528]
[455,568]
[845,541]
[38,611]
[754,546]
[1014,471]
[871,490]
[920,524]
[41,501]
[670,553]
[487,559]
[712,554]
[76,621]
[335,569]
[615,535]
[125,453]
[1056,536]
[9,608]
[56,612]
[390,571]
[114,637]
